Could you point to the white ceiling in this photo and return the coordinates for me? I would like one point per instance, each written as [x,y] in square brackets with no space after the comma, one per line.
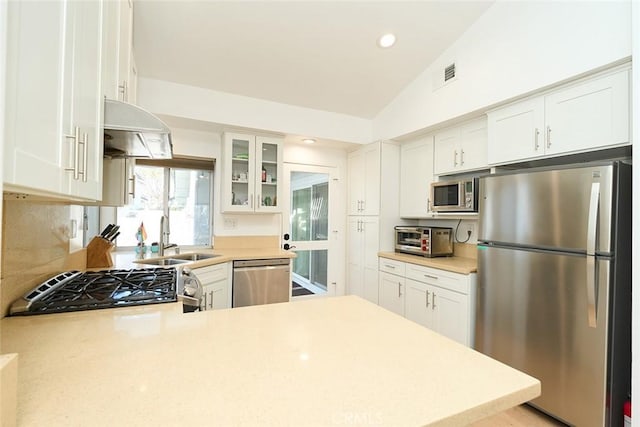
[315,54]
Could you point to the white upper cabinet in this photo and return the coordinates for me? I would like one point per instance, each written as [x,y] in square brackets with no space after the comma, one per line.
[583,116]
[589,115]
[252,174]
[461,148]
[515,131]
[117,66]
[364,180]
[416,176]
[53,139]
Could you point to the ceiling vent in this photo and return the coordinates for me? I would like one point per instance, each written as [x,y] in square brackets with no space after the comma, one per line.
[449,72]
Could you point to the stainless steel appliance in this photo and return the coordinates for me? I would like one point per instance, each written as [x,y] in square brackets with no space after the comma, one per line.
[261,281]
[424,241]
[554,285]
[455,196]
[130,131]
[75,291]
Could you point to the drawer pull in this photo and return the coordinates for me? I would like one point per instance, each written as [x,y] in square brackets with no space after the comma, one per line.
[390,266]
[427,294]
[428,276]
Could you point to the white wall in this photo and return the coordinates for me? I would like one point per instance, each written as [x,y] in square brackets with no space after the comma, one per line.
[516,47]
[162,97]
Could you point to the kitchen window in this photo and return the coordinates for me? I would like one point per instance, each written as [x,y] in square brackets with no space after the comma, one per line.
[182,194]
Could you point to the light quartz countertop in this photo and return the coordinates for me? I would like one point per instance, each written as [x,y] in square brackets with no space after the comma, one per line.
[320,362]
[454,264]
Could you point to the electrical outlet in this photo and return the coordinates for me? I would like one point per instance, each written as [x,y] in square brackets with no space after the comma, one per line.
[470,227]
[230,223]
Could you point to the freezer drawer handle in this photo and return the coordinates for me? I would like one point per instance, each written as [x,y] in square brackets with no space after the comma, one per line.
[592,230]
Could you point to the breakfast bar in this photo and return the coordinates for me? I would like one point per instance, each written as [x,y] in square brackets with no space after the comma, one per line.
[325,361]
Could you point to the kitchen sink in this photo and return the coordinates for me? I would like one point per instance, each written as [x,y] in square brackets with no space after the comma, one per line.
[193,256]
[177,259]
[163,261]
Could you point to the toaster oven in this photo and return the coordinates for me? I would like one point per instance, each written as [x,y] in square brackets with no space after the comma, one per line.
[424,241]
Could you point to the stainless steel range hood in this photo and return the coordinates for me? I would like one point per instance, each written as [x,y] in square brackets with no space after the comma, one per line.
[130,131]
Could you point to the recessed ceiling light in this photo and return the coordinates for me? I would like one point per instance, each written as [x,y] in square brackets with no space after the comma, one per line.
[387,40]
[309,141]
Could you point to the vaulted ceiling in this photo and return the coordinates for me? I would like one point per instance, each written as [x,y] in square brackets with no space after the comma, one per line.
[315,54]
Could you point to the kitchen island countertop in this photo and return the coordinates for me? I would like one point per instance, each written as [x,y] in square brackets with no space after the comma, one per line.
[328,361]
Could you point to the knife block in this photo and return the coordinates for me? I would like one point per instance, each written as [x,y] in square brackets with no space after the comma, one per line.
[99,253]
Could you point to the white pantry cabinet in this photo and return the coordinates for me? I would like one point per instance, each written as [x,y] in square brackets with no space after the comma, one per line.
[416,176]
[252,173]
[590,114]
[370,224]
[215,280]
[362,257]
[461,148]
[53,132]
[440,300]
[364,180]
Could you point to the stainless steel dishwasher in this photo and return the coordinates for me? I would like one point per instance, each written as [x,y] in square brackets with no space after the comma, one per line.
[261,281]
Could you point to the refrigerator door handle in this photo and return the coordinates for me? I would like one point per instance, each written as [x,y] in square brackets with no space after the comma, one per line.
[592,230]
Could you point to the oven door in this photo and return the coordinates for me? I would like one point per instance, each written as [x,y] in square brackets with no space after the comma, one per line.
[409,240]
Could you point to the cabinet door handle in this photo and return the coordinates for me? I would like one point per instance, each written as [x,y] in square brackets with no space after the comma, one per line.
[455,158]
[461,157]
[536,134]
[427,298]
[433,300]
[76,152]
[123,90]
[428,276]
[399,289]
[85,156]
[211,301]
[548,136]
[132,180]
[203,304]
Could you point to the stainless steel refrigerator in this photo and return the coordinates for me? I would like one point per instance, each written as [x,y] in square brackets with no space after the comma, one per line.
[554,285]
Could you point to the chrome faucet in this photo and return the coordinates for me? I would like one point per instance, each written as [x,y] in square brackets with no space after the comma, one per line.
[164,236]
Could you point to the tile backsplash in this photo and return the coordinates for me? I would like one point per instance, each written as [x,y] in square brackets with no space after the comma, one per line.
[35,246]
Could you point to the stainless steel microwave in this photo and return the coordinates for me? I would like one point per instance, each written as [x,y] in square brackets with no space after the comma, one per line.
[455,196]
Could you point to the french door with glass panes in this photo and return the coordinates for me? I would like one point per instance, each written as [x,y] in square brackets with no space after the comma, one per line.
[307,228]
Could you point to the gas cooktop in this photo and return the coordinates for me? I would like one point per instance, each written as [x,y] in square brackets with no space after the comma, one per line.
[74,291]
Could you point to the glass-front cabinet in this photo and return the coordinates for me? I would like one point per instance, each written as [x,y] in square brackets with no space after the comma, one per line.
[252,168]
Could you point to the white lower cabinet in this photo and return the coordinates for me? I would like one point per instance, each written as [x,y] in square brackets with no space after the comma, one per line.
[215,281]
[391,293]
[440,300]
